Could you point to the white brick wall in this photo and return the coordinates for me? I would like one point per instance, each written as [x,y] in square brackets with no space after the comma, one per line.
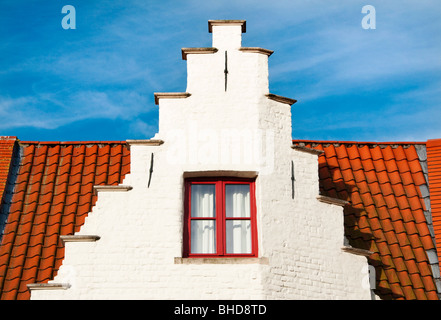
[300,240]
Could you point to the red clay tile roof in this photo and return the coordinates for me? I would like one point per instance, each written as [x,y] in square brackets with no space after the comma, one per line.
[384,184]
[434,166]
[53,195]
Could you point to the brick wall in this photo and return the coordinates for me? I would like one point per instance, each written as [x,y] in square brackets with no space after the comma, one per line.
[6,149]
[7,144]
[434,164]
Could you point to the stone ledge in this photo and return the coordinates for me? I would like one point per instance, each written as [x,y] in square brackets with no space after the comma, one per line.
[186,51]
[281,99]
[261,260]
[79,238]
[146,142]
[357,251]
[48,286]
[257,50]
[241,23]
[119,188]
[330,200]
[170,95]
[308,150]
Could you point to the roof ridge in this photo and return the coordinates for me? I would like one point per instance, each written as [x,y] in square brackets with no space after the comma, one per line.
[359,142]
[70,142]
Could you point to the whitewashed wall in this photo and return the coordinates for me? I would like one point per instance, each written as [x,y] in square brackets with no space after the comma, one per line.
[238,131]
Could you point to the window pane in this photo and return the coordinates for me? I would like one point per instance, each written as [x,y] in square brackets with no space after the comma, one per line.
[238,235]
[237,200]
[203,236]
[203,200]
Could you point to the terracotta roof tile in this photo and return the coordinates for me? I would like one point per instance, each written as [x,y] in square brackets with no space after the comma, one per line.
[424,269]
[426,282]
[423,230]
[53,195]
[409,292]
[388,225]
[412,267]
[431,295]
[404,278]
[403,239]
[399,226]
[400,265]
[391,237]
[386,215]
[427,242]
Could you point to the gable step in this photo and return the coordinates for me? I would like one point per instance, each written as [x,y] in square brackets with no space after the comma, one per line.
[118,188]
[79,238]
[48,286]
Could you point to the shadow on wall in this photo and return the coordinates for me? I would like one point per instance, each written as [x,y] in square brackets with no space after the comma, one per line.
[360,221]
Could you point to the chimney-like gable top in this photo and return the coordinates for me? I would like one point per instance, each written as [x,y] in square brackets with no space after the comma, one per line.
[241,23]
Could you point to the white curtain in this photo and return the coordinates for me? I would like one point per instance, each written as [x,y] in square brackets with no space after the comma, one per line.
[238,232]
[237,200]
[203,232]
[203,236]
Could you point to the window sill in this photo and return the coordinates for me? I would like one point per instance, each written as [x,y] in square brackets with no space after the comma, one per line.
[261,260]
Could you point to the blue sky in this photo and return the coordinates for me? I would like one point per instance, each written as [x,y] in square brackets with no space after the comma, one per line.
[97,82]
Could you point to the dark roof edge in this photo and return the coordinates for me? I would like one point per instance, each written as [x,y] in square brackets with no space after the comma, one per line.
[8,192]
[308,150]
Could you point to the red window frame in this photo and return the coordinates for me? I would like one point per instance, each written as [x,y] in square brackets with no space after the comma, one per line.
[220,217]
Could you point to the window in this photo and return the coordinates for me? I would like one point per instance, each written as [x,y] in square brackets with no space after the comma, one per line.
[220,218]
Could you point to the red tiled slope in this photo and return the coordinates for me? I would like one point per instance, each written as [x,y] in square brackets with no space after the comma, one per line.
[6,148]
[52,197]
[434,165]
[386,211]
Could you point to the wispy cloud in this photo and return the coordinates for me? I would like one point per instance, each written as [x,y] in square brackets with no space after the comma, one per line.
[50,111]
[344,57]
[123,51]
[110,72]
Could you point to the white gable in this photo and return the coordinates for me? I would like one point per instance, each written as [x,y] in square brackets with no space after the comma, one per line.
[225,124]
